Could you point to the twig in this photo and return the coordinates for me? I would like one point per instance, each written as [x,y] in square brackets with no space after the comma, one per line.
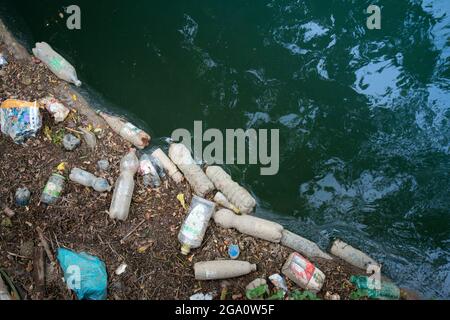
[45,245]
[132,231]
[73,130]
[18,256]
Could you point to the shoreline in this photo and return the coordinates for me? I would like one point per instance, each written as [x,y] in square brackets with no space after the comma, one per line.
[269,257]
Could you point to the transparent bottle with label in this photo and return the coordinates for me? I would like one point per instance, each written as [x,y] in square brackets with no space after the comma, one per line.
[194,227]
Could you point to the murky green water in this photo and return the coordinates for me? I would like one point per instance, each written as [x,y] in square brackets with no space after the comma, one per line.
[363,115]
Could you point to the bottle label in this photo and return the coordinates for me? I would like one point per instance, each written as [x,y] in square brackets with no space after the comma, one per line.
[193,226]
[56,63]
[52,189]
[130,129]
[302,269]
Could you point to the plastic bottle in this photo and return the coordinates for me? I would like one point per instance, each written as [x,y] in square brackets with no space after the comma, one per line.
[383,290]
[4,292]
[351,255]
[222,269]
[198,180]
[56,63]
[221,200]
[158,166]
[127,130]
[194,227]
[303,273]
[303,246]
[148,171]
[249,225]
[168,165]
[237,195]
[53,189]
[123,192]
[89,180]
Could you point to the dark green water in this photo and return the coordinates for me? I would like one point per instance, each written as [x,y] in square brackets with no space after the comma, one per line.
[363,115]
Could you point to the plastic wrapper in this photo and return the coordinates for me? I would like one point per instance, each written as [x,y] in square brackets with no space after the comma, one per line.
[20,119]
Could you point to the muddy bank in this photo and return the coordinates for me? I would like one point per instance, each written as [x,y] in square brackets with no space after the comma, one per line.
[147,242]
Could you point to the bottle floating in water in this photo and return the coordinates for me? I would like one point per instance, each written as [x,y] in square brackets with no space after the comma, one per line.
[127,130]
[222,269]
[53,189]
[198,180]
[56,63]
[149,172]
[123,191]
[89,180]
[194,227]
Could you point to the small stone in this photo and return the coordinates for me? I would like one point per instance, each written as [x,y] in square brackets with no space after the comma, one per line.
[71,142]
[7,223]
[26,80]
[103,165]
[27,249]
[22,197]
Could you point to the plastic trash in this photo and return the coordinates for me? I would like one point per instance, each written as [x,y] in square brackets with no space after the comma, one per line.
[158,166]
[222,269]
[332,297]
[279,282]
[22,197]
[53,189]
[257,289]
[303,273]
[303,246]
[103,165]
[351,255]
[149,173]
[382,290]
[202,297]
[89,180]
[56,108]
[3,61]
[4,292]
[70,142]
[249,225]
[123,192]
[194,227]
[221,200]
[234,251]
[20,119]
[121,269]
[127,130]
[236,194]
[56,63]
[84,274]
[198,180]
[168,166]
[90,138]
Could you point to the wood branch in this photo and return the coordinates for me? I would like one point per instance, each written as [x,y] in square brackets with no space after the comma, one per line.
[39,270]
[45,245]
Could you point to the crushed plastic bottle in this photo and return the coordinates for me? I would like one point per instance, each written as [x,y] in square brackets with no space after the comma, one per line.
[303,246]
[198,180]
[236,194]
[20,119]
[89,180]
[168,166]
[22,197]
[351,255]
[123,192]
[55,108]
[303,273]
[249,225]
[53,189]
[148,172]
[56,63]
[194,227]
[127,130]
[222,269]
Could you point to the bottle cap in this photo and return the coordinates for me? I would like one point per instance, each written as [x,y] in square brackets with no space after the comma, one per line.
[185,249]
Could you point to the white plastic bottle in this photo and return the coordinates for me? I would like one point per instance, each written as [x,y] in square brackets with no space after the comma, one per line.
[222,269]
[351,255]
[198,180]
[249,225]
[303,273]
[123,191]
[56,63]
[303,246]
[168,165]
[138,137]
[194,227]
[236,194]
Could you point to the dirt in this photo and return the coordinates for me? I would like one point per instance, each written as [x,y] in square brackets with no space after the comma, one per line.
[146,242]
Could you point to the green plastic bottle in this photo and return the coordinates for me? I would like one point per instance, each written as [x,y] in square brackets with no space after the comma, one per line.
[388,290]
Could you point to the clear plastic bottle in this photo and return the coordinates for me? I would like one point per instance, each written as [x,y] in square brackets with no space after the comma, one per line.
[89,180]
[56,63]
[168,166]
[127,130]
[53,189]
[148,172]
[158,166]
[123,192]
[194,227]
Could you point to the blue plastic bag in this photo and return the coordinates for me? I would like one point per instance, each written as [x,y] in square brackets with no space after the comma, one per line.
[84,274]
